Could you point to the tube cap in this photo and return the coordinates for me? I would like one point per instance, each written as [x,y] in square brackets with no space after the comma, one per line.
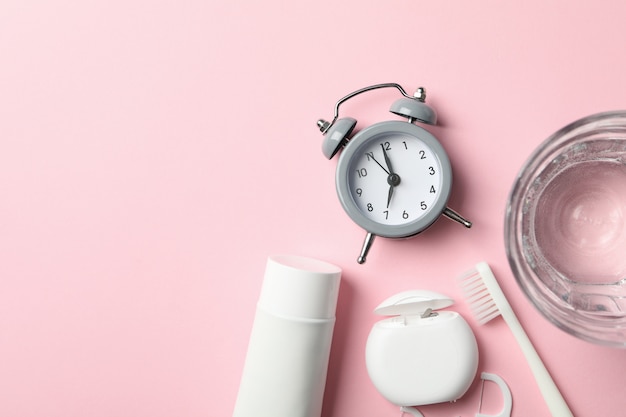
[300,287]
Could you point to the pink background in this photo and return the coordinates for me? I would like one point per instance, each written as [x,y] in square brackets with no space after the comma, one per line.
[154,153]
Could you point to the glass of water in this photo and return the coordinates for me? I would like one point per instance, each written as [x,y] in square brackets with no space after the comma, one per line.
[565,228]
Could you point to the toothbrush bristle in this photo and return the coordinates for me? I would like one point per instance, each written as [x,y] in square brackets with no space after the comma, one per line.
[478,296]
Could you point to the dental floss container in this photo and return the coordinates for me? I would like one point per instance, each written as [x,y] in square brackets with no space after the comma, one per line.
[420,356]
[286,364]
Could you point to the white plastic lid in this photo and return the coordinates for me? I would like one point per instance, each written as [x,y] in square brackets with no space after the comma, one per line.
[412,302]
[300,287]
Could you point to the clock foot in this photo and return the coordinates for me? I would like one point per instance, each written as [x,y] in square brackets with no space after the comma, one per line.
[453,215]
[367,244]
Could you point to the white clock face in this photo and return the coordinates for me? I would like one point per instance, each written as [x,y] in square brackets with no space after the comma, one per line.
[395,182]
[401,191]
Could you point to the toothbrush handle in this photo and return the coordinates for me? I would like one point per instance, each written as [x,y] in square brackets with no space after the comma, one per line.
[551,394]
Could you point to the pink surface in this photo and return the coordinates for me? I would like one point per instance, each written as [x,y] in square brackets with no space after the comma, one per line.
[154,153]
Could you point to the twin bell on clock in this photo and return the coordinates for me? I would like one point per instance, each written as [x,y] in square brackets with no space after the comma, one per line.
[393,178]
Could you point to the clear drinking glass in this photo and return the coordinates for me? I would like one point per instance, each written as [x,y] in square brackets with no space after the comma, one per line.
[565,228]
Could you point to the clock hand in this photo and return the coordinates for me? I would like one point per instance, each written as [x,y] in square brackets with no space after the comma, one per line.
[387,161]
[393,179]
[371,155]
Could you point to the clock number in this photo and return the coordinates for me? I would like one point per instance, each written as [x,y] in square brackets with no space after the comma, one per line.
[359,192]
[422,154]
[370,207]
[405,215]
[386,146]
[432,189]
[370,156]
[423,205]
[431,170]
[362,172]
[405,146]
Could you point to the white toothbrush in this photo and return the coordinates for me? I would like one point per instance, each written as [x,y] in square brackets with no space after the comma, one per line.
[487,301]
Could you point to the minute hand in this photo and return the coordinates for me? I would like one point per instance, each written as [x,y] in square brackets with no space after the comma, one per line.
[387,161]
[393,179]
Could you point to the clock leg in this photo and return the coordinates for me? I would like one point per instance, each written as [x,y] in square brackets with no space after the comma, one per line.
[367,244]
[453,215]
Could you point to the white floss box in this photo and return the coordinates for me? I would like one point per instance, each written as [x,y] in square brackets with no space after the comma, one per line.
[420,356]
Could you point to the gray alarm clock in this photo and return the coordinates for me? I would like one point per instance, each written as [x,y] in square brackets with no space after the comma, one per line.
[393,178]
